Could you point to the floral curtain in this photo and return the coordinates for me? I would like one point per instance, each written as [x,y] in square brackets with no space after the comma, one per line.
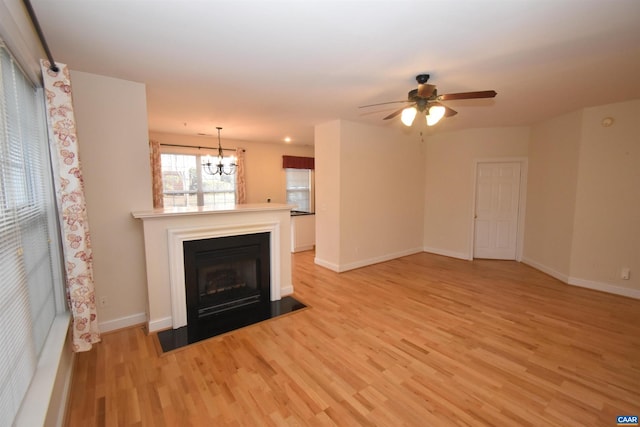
[72,210]
[241,192]
[156,174]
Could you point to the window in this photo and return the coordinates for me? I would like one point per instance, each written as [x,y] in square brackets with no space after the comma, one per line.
[30,289]
[300,189]
[186,184]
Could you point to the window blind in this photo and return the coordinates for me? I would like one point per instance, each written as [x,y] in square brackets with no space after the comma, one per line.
[299,189]
[27,287]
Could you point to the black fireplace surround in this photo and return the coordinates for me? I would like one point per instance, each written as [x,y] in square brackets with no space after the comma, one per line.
[227,286]
[226,273]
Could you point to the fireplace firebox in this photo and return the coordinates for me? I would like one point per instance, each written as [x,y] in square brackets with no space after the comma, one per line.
[226,274]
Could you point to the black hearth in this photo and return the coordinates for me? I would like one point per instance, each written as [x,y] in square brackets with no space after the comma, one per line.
[227,283]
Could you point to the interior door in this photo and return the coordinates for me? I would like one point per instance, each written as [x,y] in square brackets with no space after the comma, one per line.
[496,210]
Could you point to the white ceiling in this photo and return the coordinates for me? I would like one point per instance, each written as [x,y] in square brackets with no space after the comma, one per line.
[264,70]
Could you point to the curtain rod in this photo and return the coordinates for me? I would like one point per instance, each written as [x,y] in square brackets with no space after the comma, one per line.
[34,20]
[198,147]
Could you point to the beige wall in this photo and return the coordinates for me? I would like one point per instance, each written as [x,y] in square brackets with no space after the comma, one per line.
[551,193]
[328,194]
[371,205]
[363,215]
[449,180]
[607,218]
[583,208]
[113,144]
[265,177]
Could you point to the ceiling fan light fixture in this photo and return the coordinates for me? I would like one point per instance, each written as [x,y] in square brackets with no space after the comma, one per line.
[408,114]
[435,114]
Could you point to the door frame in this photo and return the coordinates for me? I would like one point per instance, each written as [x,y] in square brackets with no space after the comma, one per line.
[522,198]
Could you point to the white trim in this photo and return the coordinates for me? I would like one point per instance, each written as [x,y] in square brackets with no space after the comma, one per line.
[448,253]
[604,287]
[302,248]
[35,407]
[122,322]
[286,290]
[524,170]
[376,260]
[584,283]
[160,324]
[175,239]
[326,264]
[551,272]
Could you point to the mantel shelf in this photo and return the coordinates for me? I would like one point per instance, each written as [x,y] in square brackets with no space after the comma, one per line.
[209,210]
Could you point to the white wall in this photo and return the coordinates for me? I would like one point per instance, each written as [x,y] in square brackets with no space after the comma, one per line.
[551,194]
[449,182]
[606,234]
[265,178]
[583,209]
[369,182]
[114,151]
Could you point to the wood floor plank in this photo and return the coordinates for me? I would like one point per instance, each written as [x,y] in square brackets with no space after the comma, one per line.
[420,340]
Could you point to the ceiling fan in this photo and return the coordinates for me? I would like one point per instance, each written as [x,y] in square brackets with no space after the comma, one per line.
[425,99]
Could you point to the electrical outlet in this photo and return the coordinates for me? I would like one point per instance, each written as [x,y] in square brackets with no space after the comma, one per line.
[103,301]
[625,273]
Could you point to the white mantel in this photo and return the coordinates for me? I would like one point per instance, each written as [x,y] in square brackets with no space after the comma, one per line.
[166,229]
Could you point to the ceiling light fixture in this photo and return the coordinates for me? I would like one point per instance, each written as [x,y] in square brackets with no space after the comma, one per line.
[433,116]
[408,114]
[224,166]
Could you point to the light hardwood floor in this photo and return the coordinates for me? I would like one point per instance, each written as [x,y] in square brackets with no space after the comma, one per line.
[423,340]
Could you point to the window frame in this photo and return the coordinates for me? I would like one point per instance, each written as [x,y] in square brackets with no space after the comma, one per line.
[199,192]
[30,219]
[310,189]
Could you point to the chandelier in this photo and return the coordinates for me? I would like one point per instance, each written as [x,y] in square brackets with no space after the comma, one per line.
[219,168]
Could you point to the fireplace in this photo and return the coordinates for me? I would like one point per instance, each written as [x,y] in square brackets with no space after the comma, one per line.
[165,232]
[226,274]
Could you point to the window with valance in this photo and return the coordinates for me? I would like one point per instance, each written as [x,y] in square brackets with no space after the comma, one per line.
[299,176]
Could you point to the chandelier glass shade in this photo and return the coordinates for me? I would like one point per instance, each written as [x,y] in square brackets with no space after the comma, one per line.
[219,165]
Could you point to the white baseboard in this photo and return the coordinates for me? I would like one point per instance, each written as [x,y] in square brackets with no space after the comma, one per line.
[122,322]
[605,287]
[286,290]
[340,268]
[550,271]
[445,252]
[584,283]
[327,264]
[376,260]
[302,248]
[160,324]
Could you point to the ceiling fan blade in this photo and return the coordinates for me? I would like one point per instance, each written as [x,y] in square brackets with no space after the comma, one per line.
[448,112]
[394,114]
[468,95]
[425,90]
[384,103]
